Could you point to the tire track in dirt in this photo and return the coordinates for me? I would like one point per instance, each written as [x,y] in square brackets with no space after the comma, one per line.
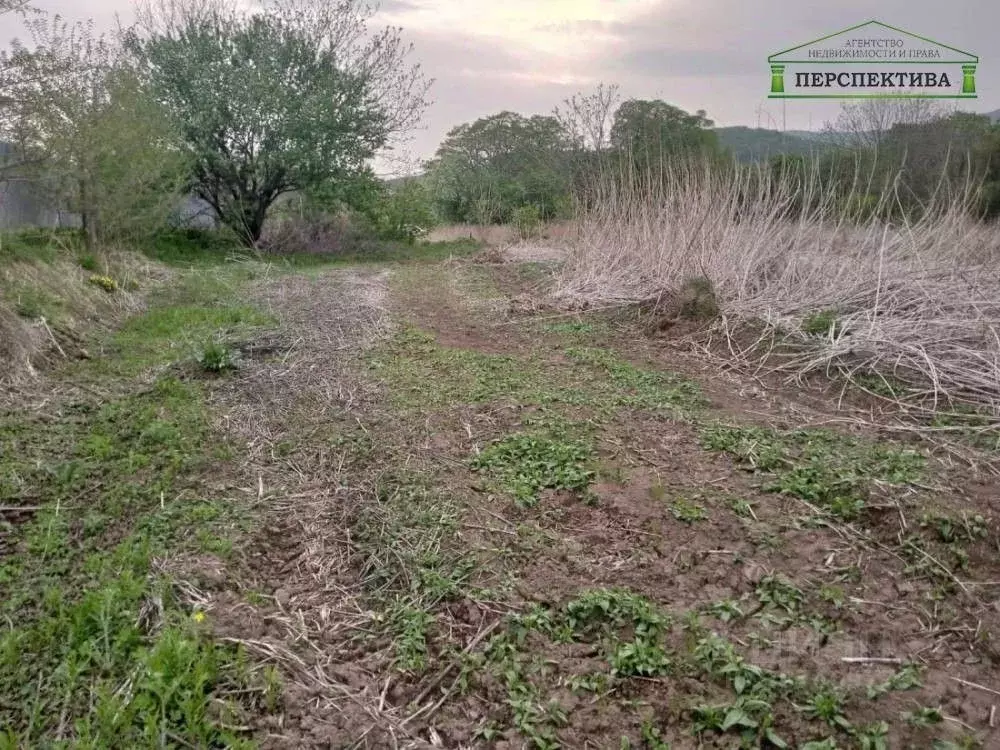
[292,596]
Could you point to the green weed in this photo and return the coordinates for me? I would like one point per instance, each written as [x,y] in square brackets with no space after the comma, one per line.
[649,389]
[169,334]
[725,610]
[886,386]
[742,508]
[216,357]
[751,718]
[687,511]
[827,705]
[874,736]
[775,591]
[524,464]
[572,327]
[949,529]
[830,470]
[32,302]
[97,652]
[89,262]
[821,323]
[39,245]
[906,677]
[411,626]
[78,604]
[923,717]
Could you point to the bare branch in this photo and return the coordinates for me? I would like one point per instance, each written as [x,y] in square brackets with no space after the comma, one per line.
[587,118]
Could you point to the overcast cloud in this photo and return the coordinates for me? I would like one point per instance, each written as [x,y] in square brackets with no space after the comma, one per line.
[527,55]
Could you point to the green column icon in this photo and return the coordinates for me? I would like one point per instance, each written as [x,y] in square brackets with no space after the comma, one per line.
[777,79]
[968,79]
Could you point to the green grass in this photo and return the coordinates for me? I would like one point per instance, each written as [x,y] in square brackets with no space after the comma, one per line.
[833,471]
[33,302]
[184,316]
[423,375]
[638,387]
[41,245]
[96,649]
[821,323]
[118,486]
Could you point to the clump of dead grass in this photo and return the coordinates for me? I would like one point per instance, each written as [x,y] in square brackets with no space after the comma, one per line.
[48,304]
[918,299]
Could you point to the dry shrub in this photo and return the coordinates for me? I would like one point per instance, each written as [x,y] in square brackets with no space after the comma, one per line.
[319,234]
[488,234]
[919,299]
[16,344]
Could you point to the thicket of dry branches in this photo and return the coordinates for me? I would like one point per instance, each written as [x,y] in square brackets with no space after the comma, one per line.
[918,299]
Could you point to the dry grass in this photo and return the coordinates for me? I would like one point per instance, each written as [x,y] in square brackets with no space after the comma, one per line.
[502,234]
[918,300]
[47,305]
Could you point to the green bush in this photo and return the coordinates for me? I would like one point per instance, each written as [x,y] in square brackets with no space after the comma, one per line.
[990,200]
[527,220]
[405,214]
[217,357]
[88,262]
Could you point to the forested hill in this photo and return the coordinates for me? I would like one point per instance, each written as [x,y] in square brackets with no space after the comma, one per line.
[756,144]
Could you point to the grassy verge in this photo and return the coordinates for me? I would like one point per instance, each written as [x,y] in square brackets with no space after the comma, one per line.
[96,647]
[205,249]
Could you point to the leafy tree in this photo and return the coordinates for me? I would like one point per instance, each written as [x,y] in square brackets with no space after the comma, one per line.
[288,98]
[85,131]
[486,169]
[652,133]
[406,213]
[906,156]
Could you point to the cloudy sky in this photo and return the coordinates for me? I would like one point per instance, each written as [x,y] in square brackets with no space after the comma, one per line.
[527,55]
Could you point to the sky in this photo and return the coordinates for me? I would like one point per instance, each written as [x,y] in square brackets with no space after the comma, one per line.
[486,56]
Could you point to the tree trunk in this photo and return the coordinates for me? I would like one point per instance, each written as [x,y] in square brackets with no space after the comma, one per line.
[88,218]
[245,217]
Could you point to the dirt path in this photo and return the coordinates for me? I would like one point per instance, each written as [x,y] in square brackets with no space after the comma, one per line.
[486,530]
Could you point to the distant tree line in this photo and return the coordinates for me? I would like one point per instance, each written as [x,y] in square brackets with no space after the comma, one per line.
[499,168]
[896,157]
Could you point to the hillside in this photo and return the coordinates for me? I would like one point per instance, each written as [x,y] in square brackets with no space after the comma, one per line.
[756,144]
